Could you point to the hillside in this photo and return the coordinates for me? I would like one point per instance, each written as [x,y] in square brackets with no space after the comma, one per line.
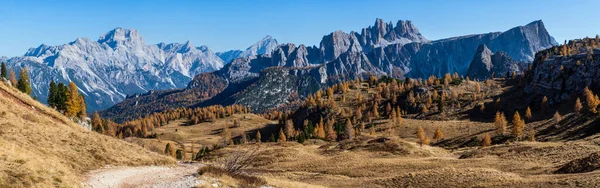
[385,150]
[41,148]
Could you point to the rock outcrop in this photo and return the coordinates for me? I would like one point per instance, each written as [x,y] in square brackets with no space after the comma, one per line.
[485,64]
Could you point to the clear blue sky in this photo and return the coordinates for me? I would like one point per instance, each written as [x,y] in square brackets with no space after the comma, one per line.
[224,25]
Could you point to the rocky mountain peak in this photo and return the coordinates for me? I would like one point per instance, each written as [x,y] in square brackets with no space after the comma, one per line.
[263,46]
[485,63]
[121,36]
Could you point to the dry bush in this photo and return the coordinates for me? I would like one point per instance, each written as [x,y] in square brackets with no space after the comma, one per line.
[244,180]
[238,161]
[234,165]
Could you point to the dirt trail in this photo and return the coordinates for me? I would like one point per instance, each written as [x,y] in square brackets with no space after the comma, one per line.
[180,176]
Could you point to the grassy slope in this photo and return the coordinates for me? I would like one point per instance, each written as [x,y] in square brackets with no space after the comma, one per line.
[41,148]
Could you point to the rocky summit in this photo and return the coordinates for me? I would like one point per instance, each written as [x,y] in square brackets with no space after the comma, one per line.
[485,64]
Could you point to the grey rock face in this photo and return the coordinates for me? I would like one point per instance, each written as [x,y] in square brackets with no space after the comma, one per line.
[263,46]
[118,64]
[227,56]
[485,64]
[559,77]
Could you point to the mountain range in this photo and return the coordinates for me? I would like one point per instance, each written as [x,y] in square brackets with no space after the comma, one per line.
[291,71]
[120,63]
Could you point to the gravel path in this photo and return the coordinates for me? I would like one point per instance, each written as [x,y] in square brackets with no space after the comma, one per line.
[181,176]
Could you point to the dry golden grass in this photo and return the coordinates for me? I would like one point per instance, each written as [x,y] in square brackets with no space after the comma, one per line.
[204,134]
[523,164]
[41,148]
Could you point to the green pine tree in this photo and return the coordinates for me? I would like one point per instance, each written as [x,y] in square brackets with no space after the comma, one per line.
[52,94]
[23,82]
[3,71]
[61,97]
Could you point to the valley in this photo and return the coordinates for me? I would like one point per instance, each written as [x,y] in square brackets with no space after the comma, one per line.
[479,95]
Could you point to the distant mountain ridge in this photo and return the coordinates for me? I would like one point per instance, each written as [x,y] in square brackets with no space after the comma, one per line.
[381,49]
[118,64]
[263,46]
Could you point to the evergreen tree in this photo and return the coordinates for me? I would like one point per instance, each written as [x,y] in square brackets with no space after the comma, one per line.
[52,94]
[179,154]
[169,150]
[72,103]
[3,71]
[61,97]
[23,82]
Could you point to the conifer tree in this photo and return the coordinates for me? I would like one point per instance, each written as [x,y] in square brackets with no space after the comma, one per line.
[518,125]
[97,123]
[289,128]
[372,132]
[82,112]
[591,100]
[331,135]
[282,137]
[528,115]
[544,104]
[375,110]
[52,91]
[179,154]
[500,123]
[23,82]
[72,103]
[169,150]
[348,130]
[578,106]
[487,140]
[438,134]
[61,97]
[556,118]
[3,71]
[421,136]
[258,137]
[12,78]
[532,135]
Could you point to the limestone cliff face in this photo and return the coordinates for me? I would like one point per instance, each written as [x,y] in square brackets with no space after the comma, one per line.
[485,64]
[558,77]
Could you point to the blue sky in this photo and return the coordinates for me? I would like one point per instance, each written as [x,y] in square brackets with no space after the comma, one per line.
[224,25]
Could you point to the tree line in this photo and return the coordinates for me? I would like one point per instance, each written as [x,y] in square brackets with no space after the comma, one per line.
[66,99]
[22,84]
